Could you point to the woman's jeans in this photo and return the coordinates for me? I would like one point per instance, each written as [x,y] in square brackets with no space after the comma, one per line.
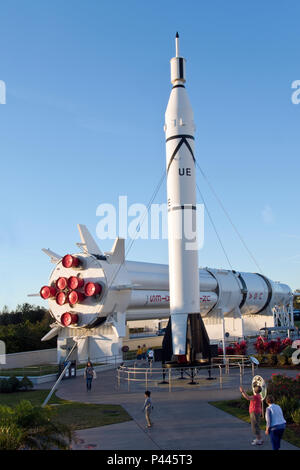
[89,383]
[276,435]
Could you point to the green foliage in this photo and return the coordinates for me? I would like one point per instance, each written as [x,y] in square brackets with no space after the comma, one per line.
[26,383]
[23,329]
[271,359]
[32,427]
[295,415]
[281,359]
[10,385]
[288,351]
[14,383]
[288,406]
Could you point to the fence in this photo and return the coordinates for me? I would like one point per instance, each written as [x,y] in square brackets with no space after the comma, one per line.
[223,366]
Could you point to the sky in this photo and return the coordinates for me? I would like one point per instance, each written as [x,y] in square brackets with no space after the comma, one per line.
[87,85]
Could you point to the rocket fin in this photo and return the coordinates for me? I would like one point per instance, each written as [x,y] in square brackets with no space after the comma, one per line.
[117,255]
[54,256]
[88,243]
[53,332]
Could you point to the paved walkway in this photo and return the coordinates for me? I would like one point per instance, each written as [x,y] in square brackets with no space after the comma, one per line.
[183,418]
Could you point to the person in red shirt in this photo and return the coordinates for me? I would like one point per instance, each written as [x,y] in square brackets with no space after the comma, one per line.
[255,413]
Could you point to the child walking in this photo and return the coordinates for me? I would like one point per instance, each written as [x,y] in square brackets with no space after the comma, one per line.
[148,407]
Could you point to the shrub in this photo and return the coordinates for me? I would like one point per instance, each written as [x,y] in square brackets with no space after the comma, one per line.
[288,351]
[26,383]
[271,359]
[14,383]
[5,387]
[281,359]
[288,406]
[295,415]
[31,427]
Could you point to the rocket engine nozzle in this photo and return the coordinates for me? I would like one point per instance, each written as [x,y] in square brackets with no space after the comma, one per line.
[75,282]
[70,261]
[75,297]
[92,288]
[47,292]
[69,318]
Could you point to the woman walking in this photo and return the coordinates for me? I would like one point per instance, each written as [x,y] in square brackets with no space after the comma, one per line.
[275,422]
[254,412]
[89,375]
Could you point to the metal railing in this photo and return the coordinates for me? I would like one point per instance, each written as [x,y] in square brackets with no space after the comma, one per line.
[155,376]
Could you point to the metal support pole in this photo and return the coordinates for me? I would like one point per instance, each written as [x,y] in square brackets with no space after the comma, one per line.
[221,377]
[146,379]
[170,378]
[181,375]
[241,376]
[128,380]
[60,377]
[164,377]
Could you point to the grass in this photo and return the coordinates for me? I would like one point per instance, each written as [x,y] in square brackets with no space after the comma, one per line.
[291,433]
[77,415]
[35,371]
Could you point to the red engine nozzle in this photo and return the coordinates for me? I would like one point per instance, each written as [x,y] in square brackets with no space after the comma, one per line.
[61,283]
[70,261]
[75,282]
[74,297]
[61,298]
[69,318]
[47,292]
[92,288]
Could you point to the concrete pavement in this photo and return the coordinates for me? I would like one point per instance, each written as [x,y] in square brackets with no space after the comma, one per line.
[183,418]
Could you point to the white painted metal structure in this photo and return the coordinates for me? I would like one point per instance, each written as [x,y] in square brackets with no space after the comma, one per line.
[181,190]
[237,303]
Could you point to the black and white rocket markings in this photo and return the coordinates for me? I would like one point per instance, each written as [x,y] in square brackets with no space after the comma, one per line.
[183,140]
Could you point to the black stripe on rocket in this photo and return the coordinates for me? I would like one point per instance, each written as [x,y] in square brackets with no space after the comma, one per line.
[183,140]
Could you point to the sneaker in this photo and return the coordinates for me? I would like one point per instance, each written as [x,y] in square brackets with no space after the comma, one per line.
[254,442]
[259,443]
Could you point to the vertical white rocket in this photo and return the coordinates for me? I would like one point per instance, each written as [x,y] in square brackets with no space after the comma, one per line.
[181,192]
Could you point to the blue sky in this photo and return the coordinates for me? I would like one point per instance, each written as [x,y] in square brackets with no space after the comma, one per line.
[87,87]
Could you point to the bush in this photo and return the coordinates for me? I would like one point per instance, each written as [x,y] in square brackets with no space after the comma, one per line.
[281,359]
[32,427]
[288,406]
[5,386]
[9,385]
[271,359]
[14,383]
[295,415]
[288,351]
[26,383]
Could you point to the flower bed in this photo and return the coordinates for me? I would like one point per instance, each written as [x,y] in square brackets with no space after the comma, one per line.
[239,349]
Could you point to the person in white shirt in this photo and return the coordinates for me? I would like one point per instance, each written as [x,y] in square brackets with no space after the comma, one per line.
[275,422]
[150,355]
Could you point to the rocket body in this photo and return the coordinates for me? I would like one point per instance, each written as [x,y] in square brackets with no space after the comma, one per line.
[181,193]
